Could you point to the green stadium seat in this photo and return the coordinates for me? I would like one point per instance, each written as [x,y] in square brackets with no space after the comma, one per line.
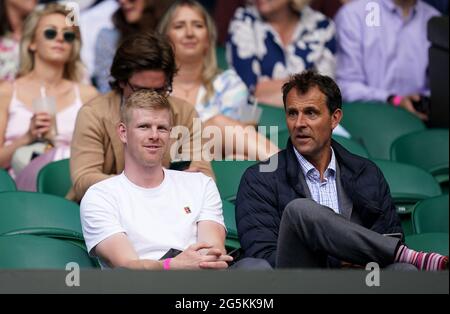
[221,54]
[428,242]
[40,214]
[408,185]
[378,125]
[232,239]
[230,219]
[428,149]
[276,117]
[431,215]
[283,137]
[228,176]
[352,146]
[232,244]
[54,178]
[6,182]
[33,252]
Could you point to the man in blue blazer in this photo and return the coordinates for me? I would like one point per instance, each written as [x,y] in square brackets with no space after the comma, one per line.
[322,206]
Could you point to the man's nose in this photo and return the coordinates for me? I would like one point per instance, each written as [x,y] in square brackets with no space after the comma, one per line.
[153,133]
[301,121]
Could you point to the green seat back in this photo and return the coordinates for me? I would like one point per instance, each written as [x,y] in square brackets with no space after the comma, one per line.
[232,240]
[431,215]
[283,137]
[54,178]
[40,214]
[230,219]
[228,176]
[352,146]
[33,252]
[427,149]
[378,125]
[408,185]
[221,54]
[231,244]
[273,116]
[6,182]
[428,242]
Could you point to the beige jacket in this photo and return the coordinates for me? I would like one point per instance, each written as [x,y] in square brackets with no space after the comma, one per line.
[97,152]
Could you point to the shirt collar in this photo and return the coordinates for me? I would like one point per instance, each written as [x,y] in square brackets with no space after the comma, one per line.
[390,5]
[308,168]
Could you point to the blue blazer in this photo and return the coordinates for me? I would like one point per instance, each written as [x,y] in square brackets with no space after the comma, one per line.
[262,197]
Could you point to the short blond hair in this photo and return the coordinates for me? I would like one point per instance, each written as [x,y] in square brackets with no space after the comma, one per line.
[145,99]
[73,69]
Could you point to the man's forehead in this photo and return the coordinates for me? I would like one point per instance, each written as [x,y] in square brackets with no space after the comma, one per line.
[144,114]
[313,97]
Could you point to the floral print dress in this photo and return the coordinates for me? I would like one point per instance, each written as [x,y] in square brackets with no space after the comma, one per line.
[256,52]
[9,58]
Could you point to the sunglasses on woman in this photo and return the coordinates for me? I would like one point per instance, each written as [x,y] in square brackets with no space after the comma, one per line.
[51,33]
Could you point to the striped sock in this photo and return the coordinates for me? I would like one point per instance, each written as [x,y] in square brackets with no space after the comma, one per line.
[423,261]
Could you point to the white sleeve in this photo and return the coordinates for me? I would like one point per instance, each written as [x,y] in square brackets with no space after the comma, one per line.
[212,204]
[233,94]
[99,217]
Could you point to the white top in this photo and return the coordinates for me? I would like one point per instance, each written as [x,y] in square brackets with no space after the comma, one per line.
[154,220]
[19,116]
[230,94]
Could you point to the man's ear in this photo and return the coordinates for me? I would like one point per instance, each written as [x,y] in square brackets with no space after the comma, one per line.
[336,118]
[122,130]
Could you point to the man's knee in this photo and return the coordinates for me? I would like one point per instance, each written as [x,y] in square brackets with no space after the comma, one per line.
[305,209]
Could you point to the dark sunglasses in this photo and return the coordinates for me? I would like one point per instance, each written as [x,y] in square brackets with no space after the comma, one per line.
[68,36]
[165,91]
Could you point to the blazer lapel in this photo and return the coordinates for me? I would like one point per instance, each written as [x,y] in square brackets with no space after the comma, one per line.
[295,174]
[345,203]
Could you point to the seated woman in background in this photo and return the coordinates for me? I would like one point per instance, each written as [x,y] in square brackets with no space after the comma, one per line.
[272,39]
[12,15]
[131,17]
[218,97]
[49,66]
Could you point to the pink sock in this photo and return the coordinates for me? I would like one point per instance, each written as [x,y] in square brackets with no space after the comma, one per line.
[423,261]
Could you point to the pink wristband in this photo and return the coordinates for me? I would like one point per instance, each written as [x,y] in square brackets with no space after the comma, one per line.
[166,263]
[397,100]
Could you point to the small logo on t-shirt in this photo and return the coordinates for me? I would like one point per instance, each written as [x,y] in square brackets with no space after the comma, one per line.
[187,210]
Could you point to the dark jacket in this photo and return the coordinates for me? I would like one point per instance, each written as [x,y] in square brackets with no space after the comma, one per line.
[262,197]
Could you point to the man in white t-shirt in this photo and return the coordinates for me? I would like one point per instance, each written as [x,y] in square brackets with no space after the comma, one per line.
[132,220]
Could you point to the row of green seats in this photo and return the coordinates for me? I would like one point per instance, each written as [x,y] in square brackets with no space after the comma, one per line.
[40,231]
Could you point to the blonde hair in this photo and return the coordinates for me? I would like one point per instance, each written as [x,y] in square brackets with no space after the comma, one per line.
[73,69]
[298,5]
[145,99]
[210,67]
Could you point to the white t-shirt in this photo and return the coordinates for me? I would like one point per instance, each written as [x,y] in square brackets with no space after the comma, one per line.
[154,220]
